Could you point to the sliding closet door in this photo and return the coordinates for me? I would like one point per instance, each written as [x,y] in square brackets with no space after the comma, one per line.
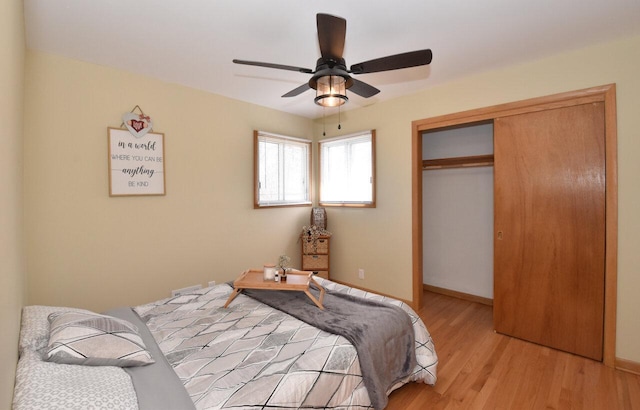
[549,228]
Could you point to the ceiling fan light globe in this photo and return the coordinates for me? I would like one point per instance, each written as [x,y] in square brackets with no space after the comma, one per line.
[331,91]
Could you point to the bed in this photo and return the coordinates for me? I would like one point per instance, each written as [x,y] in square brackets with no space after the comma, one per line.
[189,352]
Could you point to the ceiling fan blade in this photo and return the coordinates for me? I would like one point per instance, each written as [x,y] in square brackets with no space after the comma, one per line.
[277,66]
[363,89]
[332,31]
[394,62]
[299,90]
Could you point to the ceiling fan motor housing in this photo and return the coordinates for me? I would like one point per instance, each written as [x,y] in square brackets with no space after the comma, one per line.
[330,68]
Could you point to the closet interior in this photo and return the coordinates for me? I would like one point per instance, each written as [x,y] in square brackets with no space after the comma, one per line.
[457,214]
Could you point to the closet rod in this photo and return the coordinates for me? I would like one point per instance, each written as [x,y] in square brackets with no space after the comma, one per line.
[458,162]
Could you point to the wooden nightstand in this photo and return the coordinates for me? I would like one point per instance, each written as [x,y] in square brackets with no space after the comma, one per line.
[315,258]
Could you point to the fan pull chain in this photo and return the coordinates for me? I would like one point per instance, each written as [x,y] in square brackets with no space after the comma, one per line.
[323,123]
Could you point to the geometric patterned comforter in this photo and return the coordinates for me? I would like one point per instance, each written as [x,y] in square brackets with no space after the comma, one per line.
[250,355]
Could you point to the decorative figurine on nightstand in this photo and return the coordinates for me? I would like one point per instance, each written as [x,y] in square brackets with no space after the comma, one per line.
[319,217]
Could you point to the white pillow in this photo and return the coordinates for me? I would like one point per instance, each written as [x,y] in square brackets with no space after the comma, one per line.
[34,331]
[95,340]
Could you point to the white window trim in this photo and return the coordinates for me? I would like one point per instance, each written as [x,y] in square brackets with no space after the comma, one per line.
[360,204]
[258,135]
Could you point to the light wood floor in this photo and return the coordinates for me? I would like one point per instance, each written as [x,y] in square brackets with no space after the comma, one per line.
[480,369]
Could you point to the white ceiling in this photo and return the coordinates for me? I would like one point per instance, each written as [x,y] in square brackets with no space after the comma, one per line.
[192,42]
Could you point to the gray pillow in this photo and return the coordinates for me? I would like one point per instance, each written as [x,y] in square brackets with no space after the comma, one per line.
[95,340]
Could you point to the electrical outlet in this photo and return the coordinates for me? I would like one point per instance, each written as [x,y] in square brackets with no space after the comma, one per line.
[182,291]
[360,273]
[212,283]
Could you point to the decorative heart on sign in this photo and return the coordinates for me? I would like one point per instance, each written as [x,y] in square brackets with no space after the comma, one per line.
[137,124]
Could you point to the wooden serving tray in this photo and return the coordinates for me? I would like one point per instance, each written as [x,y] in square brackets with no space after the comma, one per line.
[296,280]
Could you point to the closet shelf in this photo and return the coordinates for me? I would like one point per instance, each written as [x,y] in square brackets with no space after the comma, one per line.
[458,162]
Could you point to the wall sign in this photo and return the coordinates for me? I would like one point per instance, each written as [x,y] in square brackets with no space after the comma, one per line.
[136,163]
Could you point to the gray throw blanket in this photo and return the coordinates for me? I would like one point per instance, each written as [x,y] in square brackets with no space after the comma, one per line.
[382,334]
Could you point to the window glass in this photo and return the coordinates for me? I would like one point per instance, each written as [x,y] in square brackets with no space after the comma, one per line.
[347,170]
[283,170]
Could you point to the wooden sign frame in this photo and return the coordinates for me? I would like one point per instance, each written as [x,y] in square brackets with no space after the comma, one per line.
[136,165]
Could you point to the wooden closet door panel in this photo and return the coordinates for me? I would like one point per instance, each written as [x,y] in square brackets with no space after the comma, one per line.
[550,228]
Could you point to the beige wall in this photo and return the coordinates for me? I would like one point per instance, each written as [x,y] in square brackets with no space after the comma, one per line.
[380,239]
[90,250]
[11,238]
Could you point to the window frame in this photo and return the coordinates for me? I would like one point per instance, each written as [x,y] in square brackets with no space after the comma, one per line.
[257,204]
[354,204]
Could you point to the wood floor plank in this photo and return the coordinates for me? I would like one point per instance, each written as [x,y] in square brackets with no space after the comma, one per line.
[633,385]
[532,379]
[548,394]
[481,369]
[510,367]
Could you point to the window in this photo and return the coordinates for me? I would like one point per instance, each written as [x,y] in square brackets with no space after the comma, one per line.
[282,170]
[347,170]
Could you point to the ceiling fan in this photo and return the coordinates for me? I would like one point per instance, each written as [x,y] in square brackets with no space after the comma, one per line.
[331,78]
